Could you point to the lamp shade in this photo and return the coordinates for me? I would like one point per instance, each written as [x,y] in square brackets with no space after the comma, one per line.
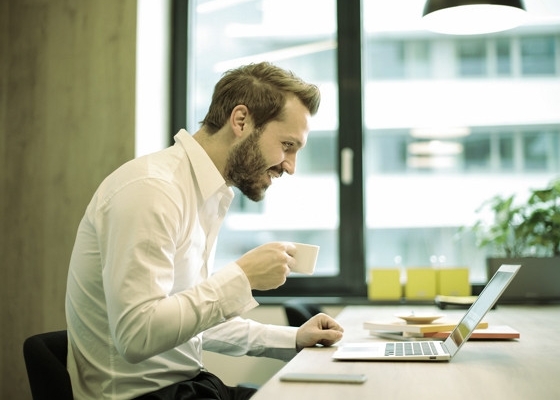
[468,17]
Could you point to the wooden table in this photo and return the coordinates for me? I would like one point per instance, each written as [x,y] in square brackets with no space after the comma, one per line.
[526,368]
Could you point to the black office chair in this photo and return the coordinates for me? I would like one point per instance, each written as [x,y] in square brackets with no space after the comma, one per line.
[45,360]
[299,311]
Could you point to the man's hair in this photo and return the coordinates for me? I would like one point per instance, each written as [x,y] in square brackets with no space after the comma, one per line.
[263,88]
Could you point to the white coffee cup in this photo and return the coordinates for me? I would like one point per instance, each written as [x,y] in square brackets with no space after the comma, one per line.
[306,258]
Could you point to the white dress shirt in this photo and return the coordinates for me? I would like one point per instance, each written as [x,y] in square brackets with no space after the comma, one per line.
[141,299]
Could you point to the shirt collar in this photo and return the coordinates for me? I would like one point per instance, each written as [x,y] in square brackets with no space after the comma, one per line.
[207,175]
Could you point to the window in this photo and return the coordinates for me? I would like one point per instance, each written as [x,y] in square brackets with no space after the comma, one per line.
[477,152]
[472,57]
[434,125]
[506,151]
[538,55]
[503,57]
[386,60]
[303,207]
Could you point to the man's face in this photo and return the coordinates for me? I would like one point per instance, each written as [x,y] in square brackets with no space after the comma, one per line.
[266,153]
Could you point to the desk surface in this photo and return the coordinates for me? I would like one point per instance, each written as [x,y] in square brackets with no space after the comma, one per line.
[510,369]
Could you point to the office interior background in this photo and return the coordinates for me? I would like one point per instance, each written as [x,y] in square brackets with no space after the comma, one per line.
[435,125]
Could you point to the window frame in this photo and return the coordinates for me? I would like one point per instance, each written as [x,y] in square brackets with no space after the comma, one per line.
[351,280]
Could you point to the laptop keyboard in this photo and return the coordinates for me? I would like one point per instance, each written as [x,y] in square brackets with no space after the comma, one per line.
[410,348]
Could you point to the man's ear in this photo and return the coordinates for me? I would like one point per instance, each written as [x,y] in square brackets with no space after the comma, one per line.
[239,120]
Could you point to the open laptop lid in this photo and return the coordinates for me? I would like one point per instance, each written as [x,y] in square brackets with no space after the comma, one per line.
[485,301]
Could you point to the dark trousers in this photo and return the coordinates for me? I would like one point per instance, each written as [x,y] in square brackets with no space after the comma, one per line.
[205,386]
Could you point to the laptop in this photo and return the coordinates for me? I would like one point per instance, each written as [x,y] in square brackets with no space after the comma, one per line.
[434,350]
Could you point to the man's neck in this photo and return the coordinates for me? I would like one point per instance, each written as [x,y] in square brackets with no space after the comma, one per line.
[215,145]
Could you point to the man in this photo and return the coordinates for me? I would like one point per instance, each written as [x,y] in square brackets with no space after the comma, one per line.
[142,302]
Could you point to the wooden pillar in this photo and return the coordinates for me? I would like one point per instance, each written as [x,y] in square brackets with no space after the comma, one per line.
[67,94]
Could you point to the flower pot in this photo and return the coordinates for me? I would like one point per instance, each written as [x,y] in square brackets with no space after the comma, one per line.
[538,280]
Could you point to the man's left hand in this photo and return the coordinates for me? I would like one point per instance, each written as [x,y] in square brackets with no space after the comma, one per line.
[319,329]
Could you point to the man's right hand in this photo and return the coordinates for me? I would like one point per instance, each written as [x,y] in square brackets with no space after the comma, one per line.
[268,265]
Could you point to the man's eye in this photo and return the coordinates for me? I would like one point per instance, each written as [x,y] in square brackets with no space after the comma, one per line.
[288,145]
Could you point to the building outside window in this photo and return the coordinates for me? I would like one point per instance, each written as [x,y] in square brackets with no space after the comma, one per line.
[446,123]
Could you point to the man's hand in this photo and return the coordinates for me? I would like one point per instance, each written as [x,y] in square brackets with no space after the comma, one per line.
[319,329]
[267,266]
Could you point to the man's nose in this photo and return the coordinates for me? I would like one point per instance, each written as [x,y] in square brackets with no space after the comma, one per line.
[289,164]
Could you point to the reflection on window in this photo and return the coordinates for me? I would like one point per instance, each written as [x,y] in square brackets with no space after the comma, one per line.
[477,153]
[397,59]
[386,152]
[386,60]
[536,146]
[503,57]
[481,57]
[538,55]
[418,59]
[472,58]
[506,152]
[320,154]
[481,151]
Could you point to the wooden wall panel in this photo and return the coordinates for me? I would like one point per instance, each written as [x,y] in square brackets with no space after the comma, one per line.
[67,94]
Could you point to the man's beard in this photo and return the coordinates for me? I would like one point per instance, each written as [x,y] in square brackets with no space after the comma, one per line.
[245,166]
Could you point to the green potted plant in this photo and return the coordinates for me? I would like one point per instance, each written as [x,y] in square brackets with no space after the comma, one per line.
[526,229]
[499,226]
[526,233]
[541,220]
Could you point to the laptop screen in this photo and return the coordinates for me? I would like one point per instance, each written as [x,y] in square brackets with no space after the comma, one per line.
[480,307]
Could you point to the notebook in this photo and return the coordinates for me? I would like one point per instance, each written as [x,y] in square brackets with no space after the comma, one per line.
[434,350]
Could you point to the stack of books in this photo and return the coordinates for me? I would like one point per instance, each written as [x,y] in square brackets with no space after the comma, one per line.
[397,329]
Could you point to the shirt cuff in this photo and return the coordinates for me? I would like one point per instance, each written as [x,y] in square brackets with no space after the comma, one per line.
[235,291]
[281,342]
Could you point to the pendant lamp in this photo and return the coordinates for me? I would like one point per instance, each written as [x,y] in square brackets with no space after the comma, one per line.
[471,17]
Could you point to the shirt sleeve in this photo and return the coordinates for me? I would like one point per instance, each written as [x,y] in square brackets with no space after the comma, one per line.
[138,227]
[238,337]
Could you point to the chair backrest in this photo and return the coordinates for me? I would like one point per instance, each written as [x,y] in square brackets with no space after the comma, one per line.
[45,361]
[298,311]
